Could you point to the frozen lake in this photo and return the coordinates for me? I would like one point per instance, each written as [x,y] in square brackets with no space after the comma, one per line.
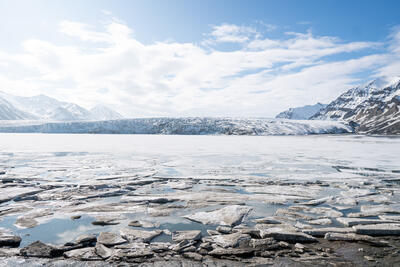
[296,157]
[92,176]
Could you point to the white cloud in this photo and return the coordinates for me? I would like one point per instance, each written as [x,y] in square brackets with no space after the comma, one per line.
[230,33]
[109,66]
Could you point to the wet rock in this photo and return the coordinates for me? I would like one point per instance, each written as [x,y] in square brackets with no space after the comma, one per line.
[325,221]
[247,230]
[230,215]
[282,234]
[319,232]
[212,232]
[23,222]
[186,235]
[224,229]
[38,249]
[267,220]
[83,254]
[181,245]
[230,240]
[76,217]
[300,225]
[356,221]
[144,224]
[292,214]
[7,240]
[378,229]
[86,239]
[139,235]
[106,221]
[110,239]
[147,199]
[317,202]
[103,251]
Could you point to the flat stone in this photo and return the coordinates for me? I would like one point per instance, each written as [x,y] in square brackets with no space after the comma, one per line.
[224,229]
[390,217]
[144,224]
[103,251]
[83,254]
[38,249]
[160,246]
[133,253]
[322,231]
[230,240]
[11,193]
[110,239]
[192,256]
[147,199]
[356,221]
[378,229]
[139,235]
[262,244]
[194,235]
[86,239]
[106,221]
[267,220]
[181,245]
[9,240]
[317,202]
[325,221]
[230,215]
[282,234]
[23,222]
[347,237]
[379,209]
[219,252]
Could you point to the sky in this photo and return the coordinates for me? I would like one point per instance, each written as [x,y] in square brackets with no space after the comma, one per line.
[196,58]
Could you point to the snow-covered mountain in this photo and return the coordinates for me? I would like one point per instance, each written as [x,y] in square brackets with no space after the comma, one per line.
[42,107]
[301,113]
[9,112]
[371,108]
[188,126]
[104,113]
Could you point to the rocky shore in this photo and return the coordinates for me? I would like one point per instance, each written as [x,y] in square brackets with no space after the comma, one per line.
[99,209]
[359,223]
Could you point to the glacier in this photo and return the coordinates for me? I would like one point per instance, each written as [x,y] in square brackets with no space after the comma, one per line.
[182,126]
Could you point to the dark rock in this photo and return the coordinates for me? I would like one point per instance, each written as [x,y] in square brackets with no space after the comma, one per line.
[39,249]
[9,241]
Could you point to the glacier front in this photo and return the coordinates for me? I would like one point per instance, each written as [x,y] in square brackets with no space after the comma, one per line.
[182,126]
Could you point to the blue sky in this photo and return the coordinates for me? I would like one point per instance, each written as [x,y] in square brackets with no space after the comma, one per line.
[195,58]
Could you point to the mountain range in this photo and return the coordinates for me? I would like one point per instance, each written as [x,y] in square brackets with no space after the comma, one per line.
[301,113]
[371,108]
[42,107]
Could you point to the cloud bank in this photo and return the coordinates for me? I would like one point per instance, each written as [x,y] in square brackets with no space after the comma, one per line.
[257,76]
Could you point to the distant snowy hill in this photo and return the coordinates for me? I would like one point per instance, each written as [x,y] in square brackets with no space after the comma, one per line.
[104,113]
[301,113]
[42,107]
[371,108]
[188,126]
